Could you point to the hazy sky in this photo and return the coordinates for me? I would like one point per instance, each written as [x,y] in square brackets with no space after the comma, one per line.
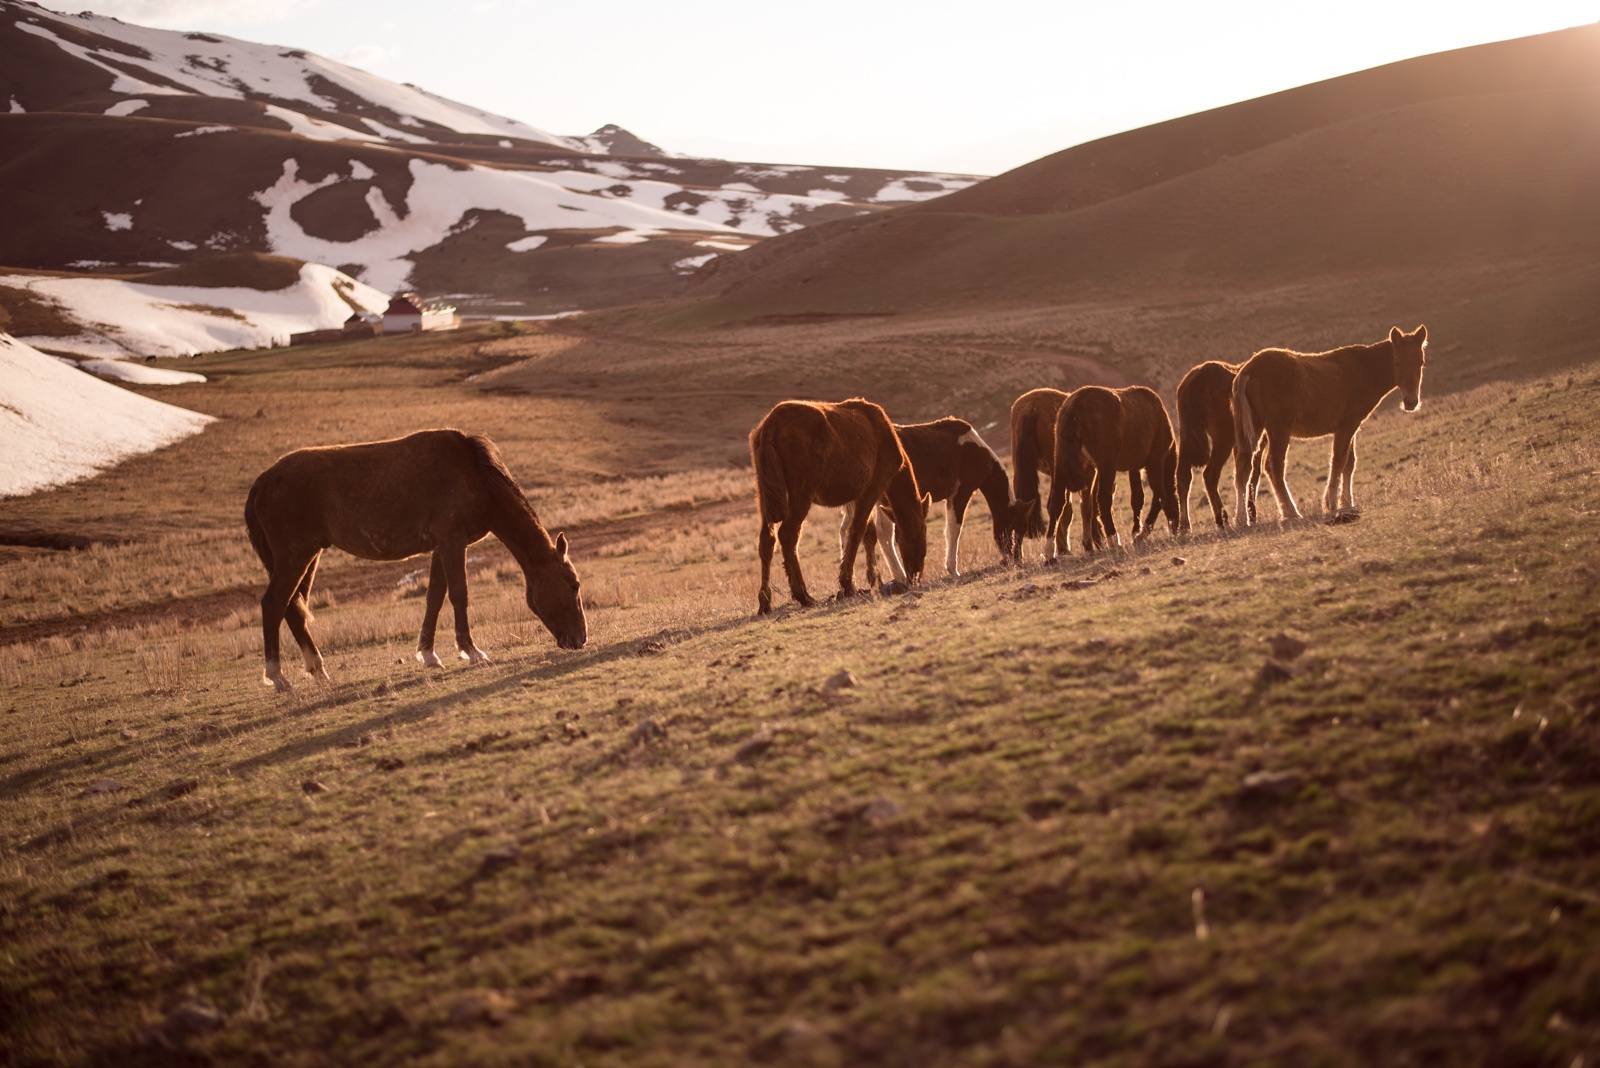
[966,85]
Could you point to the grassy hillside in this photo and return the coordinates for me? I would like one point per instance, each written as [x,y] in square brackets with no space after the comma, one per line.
[1084,814]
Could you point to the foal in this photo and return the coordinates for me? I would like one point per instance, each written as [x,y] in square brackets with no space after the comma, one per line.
[1284,395]
[434,491]
[1099,432]
[951,462]
[808,453]
[1205,436]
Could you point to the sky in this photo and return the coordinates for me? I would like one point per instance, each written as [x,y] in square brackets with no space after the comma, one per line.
[970,86]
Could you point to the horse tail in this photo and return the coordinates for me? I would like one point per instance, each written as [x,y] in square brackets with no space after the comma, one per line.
[1245,430]
[258,534]
[772,491]
[1194,444]
[1025,477]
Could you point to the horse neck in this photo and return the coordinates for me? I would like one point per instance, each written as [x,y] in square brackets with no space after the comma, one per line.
[520,531]
[996,491]
[1375,364]
[904,497]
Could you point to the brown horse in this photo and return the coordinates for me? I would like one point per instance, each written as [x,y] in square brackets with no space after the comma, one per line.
[808,453]
[1205,436]
[1099,432]
[433,491]
[951,462]
[1283,395]
[1033,449]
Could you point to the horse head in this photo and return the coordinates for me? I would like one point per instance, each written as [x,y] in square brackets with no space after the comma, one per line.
[911,537]
[1410,356]
[553,597]
[1012,526]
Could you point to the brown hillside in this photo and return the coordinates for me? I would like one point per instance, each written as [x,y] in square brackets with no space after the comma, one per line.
[1454,189]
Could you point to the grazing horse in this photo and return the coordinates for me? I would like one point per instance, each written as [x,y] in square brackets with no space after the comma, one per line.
[433,491]
[1099,432]
[1033,449]
[1283,395]
[951,463]
[1205,436]
[809,452]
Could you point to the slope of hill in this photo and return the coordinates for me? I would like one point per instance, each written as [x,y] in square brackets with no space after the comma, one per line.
[1455,187]
[128,146]
[59,424]
[236,301]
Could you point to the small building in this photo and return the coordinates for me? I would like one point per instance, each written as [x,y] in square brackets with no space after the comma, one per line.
[410,314]
[359,325]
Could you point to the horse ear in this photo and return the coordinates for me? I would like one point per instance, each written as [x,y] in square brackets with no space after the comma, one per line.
[1422,334]
[927,503]
[1395,334]
[561,545]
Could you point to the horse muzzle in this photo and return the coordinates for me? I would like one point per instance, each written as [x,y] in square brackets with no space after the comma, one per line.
[573,639]
[1410,404]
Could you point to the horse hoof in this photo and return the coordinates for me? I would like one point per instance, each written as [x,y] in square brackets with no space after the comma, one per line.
[893,588]
[428,658]
[474,655]
[278,683]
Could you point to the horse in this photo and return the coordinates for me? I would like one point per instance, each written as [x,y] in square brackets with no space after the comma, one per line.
[951,462]
[1099,432]
[1033,449]
[433,491]
[1282,395]
[814,452]
[1205,436]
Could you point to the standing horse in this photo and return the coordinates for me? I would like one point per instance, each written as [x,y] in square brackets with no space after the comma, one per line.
[951,463]
[433,491]
[1205,436]
[808,453]
[1284,395]
[1099,432]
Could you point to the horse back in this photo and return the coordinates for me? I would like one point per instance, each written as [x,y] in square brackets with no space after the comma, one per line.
[1305,395]
[826,453]
[381,500]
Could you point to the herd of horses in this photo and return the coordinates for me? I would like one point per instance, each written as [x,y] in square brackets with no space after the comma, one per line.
[439,491]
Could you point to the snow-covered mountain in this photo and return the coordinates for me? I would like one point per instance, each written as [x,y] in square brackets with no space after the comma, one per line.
[123,147]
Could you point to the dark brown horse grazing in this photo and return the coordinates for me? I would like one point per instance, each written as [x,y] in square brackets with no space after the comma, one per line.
[433,491]
[1205,436]
[807,453]
[1033,449]
[1284,395]
[1099,432]
[951,462]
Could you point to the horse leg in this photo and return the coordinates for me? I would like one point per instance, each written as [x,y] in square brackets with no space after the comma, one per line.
[847,515]
[1185,481]
[869,546]
[1211,476]
[1347,497]
[1106,490]
[1255,477]
[1331,495]
[281,586]
[1246,470]
[297,613]
[1054,536]
[955,514]
[788,539]
[1277,452]
[1136,496]
[859,520]
[764,546]
[881,531]
[455,574]
[430,612]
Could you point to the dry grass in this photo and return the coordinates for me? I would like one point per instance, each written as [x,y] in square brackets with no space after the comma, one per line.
[986,852]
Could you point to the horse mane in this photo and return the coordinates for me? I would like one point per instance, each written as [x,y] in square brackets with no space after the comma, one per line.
[501,483]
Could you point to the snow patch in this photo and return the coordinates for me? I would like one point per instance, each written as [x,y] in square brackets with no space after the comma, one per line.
[725,246]
[118,220]
[360,172]
[127,107]
[58,424]
[120,318]
[200,130]
[691,263]
[139,374]
[527,244]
